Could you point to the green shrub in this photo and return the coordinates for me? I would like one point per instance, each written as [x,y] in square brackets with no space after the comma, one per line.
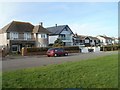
[41,49]
[109,47]
[71,48]
[44,49]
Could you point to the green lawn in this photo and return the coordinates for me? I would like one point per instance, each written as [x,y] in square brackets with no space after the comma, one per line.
[101,72]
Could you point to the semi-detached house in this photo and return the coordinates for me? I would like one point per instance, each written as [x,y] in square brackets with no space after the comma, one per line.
[86,40]
[105,40]
[16,35]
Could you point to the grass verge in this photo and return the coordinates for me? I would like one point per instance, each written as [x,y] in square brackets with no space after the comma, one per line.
[101,72]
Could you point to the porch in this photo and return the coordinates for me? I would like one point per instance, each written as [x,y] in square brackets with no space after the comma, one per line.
[16,45]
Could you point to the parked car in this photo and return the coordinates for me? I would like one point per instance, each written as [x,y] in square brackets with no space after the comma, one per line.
[53,52]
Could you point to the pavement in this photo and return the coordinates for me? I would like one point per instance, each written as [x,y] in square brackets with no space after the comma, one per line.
[20,62]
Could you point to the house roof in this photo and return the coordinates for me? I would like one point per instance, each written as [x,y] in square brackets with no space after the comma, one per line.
[94,38]
[40,29]
[57,29]
[82,37]
[18,27]
[105,37]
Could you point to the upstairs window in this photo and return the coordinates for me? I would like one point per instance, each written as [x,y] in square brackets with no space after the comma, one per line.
[27,36]
[13,35]
[42,36]
[87,41]
[66,29]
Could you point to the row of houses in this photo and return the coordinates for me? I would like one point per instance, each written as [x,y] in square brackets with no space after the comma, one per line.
[16,35]
[100,40]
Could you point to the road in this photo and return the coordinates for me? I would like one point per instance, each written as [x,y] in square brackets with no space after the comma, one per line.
[35,61]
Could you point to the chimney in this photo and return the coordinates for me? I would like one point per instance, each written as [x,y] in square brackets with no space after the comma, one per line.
[56,25]
[41,23]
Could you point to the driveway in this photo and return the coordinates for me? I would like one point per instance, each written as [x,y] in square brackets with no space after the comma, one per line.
[20,62]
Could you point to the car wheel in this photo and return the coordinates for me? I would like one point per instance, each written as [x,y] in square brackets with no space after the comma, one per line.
[55,55]
[48,55]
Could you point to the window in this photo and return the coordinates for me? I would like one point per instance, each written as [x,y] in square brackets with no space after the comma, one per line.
[66,29]
[42,36]
[62,35]
[81,41]
[87,41]
[14,48]
[27,36]
[68,37]
[13,35]
[61,50]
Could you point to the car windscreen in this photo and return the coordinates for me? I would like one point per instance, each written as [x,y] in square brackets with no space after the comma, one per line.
[59,50]
[50,49]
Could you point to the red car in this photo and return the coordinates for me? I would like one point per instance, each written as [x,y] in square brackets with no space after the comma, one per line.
[53,52]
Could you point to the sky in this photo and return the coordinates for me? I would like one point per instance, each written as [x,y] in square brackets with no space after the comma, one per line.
[84,18]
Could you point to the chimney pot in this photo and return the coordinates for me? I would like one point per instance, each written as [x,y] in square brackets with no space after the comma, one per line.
[41,23]
[56,25]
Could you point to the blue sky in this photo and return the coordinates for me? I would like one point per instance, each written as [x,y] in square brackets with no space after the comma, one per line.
[84,18]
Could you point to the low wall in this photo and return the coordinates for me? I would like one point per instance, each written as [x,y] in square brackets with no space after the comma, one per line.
[96,49]
[84,50]
[90,49]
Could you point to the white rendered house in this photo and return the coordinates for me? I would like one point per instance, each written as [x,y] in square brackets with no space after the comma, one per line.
[62,32]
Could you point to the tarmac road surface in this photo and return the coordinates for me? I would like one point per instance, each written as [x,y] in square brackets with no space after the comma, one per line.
[20,62]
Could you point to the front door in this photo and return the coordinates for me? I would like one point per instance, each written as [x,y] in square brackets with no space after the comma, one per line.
[15,48]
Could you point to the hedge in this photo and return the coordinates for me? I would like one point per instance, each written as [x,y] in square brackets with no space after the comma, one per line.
[44,49]
[41,49]
[71,49]
[109,48]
